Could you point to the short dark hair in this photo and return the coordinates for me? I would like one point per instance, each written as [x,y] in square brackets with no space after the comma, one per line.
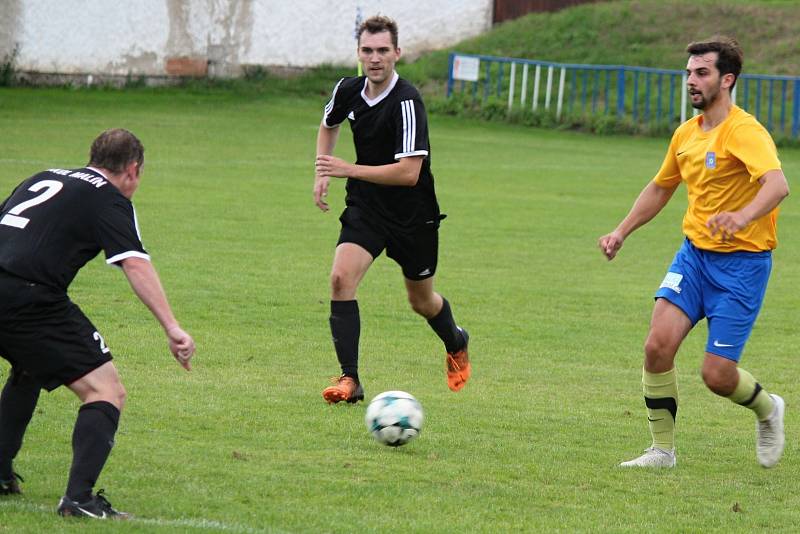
[729,54]
[115,149]
[378,24]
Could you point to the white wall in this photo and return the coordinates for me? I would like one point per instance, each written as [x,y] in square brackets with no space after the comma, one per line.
[137,37]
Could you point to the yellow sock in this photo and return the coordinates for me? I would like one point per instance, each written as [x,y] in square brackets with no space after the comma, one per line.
[661,399]
[752,396]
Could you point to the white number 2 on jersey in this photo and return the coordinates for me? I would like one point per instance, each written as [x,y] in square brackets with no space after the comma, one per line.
[12,218]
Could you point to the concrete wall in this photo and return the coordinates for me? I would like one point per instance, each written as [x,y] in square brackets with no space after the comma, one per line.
[195,37]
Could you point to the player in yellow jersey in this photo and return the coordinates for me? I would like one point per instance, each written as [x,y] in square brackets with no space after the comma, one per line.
[734,183]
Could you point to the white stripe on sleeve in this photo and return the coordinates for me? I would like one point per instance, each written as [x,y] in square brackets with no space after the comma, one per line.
[404,111]
[329,105]
[413,143]
[409,125]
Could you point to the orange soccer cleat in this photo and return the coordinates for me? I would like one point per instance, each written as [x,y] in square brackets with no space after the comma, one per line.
[458,366]
[344,388]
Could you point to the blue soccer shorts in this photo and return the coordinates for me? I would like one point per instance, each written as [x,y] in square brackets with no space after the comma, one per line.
[725,287]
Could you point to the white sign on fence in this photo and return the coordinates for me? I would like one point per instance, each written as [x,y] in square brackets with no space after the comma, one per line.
[466,68]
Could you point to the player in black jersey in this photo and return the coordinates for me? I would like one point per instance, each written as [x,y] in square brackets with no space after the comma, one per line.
[50,226]
[391,203]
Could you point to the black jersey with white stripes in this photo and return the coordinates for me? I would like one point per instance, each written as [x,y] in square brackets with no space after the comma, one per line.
[59,219]
[391,126]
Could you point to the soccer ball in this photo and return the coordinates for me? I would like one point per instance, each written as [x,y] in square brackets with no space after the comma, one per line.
[394,418]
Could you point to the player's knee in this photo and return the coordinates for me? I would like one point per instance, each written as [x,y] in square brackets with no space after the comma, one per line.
[656,350]
[338,282]
[659,356]
[714,381]
[341,283]
[718,380]
[417,304]
[422,305]
[121,395]
[116,395]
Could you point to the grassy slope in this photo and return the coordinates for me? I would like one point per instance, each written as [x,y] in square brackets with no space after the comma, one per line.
[651,33]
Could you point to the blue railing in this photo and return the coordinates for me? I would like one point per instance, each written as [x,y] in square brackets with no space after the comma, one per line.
[652,96]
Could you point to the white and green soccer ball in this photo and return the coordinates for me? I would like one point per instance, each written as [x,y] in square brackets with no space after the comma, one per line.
[394,418]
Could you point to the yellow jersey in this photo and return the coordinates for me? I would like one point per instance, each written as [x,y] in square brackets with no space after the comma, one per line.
[721,168]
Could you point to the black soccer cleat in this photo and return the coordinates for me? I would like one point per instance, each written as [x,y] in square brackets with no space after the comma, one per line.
[97,507]
[11,487]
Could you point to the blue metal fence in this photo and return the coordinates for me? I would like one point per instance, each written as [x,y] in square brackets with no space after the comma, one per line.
[653,96]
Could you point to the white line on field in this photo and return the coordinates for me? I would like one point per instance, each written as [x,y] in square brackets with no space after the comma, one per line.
[200,524]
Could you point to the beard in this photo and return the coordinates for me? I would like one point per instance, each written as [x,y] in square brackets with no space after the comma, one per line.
[706,101]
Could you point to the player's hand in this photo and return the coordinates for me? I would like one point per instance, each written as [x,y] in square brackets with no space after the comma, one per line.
[321,191]
[333,167]
[726,224]
[610,244]
[181,345]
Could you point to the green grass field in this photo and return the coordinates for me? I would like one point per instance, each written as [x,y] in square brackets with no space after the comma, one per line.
[244,443]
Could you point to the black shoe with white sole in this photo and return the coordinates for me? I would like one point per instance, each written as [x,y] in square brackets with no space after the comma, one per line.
[97,507]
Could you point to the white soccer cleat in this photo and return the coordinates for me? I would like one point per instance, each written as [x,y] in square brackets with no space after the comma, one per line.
[769,435]
[653,457]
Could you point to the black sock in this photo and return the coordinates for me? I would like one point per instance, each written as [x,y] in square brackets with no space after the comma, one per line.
[346,329]
[445,327]
[92,440]
[17,403]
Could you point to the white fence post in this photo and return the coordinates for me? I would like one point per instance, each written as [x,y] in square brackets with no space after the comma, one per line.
[511,85]
[683,98]
[524,85]
[549,91]
[536,78]
[561,91]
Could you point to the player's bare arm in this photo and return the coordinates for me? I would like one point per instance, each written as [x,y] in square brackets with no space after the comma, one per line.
[145,283]
[650,202]
[405,172]
[326,142]
[774,188]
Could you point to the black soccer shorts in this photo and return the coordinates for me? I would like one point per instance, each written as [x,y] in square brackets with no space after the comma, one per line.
[45,334]
[416,251]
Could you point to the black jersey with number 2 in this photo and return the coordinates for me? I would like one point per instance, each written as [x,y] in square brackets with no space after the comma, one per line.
[56,221]
[391,126]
